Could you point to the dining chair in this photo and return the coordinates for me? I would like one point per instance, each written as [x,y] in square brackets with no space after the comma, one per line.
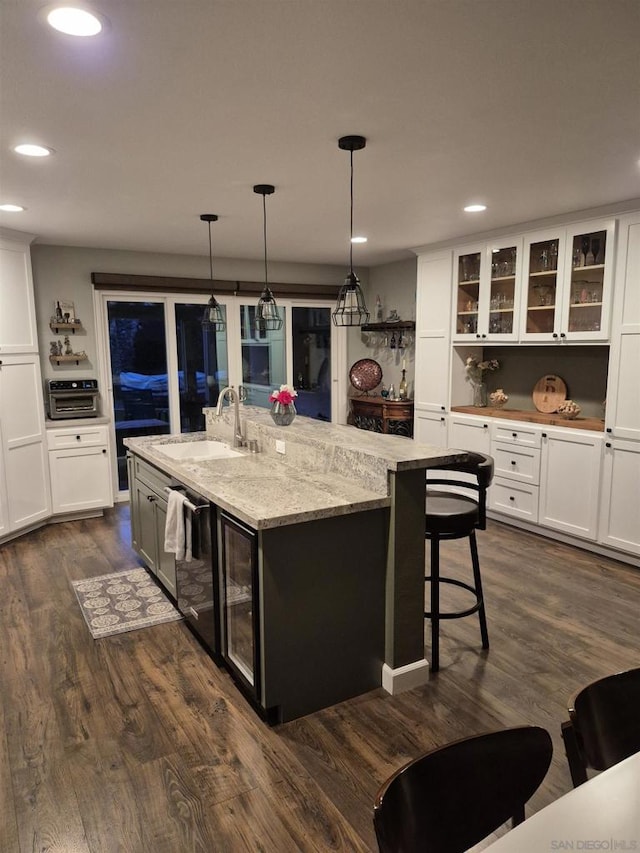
[453,797]
[455,510]
[604,724]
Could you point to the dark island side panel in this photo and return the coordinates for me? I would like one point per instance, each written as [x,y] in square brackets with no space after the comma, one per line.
[323,587]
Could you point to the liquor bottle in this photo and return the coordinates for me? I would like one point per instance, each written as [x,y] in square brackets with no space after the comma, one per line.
[402,388]
[393,342]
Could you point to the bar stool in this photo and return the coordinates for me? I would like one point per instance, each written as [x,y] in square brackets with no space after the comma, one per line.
[456,513]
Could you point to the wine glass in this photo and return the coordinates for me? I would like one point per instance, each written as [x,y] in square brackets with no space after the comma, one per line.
[595,249]
[585,250]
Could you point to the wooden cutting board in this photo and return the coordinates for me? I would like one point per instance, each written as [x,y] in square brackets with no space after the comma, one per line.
[549,391]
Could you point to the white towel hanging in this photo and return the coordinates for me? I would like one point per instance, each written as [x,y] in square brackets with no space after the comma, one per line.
[174,529]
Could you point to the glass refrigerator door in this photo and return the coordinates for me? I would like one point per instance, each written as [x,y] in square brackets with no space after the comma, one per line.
[240,600]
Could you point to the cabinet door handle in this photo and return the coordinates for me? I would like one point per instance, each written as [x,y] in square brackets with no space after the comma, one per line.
[511,498]
[513,462]
[607,444]
[562,335]
[442,419]
[151,498]
[485,426]
[104,449]
[609,430]
[514,434]
[544,435]
[78,438]
[554,335]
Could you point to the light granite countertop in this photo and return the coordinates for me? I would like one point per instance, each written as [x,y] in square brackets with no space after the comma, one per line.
[327,470]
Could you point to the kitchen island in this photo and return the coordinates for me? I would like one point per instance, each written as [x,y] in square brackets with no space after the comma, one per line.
[338,521]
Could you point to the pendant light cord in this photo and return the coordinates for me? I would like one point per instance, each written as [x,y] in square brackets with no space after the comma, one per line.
[264,232]
[210,257]
[351,220]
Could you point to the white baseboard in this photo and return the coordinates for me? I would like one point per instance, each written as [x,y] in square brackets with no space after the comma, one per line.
[405,677]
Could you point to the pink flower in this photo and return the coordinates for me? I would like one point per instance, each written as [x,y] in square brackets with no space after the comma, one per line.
[285,395]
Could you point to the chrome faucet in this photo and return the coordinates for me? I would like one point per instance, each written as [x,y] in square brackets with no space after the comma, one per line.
[234,398]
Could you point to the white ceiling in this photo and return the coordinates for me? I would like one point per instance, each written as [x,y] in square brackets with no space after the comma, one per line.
[181,106]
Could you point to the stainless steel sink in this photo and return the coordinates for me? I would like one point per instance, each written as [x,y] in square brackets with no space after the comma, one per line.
[196,450]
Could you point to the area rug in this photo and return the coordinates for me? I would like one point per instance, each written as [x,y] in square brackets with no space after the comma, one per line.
[122,601]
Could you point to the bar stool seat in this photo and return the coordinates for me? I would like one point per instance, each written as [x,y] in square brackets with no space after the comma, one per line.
[456,513]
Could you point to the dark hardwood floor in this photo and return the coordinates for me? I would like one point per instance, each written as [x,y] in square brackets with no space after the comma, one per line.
[139,743]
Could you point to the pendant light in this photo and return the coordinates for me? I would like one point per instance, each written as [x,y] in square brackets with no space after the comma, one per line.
[351,309]
[213,317]
[267,316]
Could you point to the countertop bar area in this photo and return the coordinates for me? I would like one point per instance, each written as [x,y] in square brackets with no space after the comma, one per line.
[326,472]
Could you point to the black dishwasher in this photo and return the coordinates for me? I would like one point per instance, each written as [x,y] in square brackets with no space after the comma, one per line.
[196,587]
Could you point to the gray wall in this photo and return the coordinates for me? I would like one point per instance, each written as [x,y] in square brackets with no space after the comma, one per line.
[396,285]
[61,272]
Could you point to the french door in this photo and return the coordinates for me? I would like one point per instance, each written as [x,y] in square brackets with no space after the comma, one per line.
[159,367]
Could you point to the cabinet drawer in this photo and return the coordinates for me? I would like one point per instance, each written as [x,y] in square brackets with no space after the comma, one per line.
[517,463]
[152,477]
[84,436]
[516,434]
[517,499]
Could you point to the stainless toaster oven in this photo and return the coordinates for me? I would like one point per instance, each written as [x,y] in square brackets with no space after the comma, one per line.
[72,398]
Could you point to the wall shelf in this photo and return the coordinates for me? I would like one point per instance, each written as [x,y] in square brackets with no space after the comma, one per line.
[387,326]
[67,359]
[65,327]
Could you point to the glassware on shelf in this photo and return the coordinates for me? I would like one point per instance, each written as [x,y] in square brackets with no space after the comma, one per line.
[595,250]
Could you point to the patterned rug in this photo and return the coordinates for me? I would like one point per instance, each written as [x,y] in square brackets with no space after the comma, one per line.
[122,601]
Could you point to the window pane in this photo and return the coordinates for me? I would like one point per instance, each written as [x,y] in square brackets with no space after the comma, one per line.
[137,343]
[202,365]
[263,358]
[312,361]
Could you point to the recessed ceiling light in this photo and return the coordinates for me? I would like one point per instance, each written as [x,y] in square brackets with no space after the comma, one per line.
[29,150]
[475,208]
[358,239]
[74,21]
[12,208]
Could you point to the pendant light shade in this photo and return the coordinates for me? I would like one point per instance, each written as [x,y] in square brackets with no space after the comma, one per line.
[213,317]
[267,315]
[351,309]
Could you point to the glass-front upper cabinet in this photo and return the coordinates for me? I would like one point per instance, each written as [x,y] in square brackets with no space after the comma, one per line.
[568,276]
[487,292]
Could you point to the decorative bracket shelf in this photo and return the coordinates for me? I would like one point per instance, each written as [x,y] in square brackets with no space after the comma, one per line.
[67,359]
[65,327]
[383,327]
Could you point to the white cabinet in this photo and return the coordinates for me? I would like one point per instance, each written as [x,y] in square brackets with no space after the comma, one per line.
[568,275]
[80,468]
[469,433]
[623,390]
[570,481]
[433,322]
[515,449]
[430,428]
[487,291]
[18,332]
[24,473]
[620,496]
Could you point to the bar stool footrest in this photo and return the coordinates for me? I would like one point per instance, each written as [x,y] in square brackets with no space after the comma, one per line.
[457,614]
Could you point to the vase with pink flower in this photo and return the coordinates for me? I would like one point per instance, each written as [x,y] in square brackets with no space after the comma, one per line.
[283,410]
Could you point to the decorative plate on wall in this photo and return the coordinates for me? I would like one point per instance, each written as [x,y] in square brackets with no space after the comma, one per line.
[365,374]
[549,391]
